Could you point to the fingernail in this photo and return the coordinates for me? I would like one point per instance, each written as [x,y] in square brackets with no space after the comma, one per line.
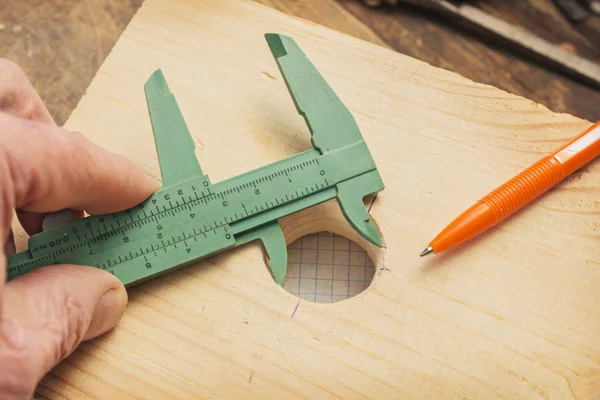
[108,312]
[151,183]
[157,184]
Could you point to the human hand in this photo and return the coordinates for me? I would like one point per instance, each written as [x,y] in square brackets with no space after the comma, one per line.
[47,313]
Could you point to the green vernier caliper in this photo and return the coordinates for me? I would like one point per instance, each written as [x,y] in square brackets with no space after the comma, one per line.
[190,217]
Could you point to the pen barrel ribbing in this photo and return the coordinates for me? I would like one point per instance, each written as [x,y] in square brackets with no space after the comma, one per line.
[524,187]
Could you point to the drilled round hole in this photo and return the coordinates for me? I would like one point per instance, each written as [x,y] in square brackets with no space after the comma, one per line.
[327,268]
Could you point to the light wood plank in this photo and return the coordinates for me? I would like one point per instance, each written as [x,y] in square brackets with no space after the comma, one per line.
[512,315]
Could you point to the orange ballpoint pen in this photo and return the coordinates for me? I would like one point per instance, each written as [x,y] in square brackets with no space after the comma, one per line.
[519,191]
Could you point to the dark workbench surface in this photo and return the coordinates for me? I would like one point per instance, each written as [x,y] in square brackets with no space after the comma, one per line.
[61,44]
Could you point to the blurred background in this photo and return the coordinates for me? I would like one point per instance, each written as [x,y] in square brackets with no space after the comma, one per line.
[61,43]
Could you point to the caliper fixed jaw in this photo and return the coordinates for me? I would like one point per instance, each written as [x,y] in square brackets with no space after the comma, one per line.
[332,127]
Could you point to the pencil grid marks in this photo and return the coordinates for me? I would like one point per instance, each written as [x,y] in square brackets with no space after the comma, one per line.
[325,268]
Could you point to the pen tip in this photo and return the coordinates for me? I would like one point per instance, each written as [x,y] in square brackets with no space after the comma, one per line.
[427,251]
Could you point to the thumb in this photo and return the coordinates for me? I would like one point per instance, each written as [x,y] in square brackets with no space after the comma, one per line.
[47,313]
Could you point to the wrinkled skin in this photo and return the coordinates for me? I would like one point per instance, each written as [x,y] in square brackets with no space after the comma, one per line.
[46,314]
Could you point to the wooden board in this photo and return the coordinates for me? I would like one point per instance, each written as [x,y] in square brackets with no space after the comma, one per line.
[513,315]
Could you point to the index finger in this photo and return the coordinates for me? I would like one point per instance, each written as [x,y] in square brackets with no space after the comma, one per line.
[51,169]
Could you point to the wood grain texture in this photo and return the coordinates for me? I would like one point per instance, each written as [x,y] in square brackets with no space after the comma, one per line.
[513,315]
